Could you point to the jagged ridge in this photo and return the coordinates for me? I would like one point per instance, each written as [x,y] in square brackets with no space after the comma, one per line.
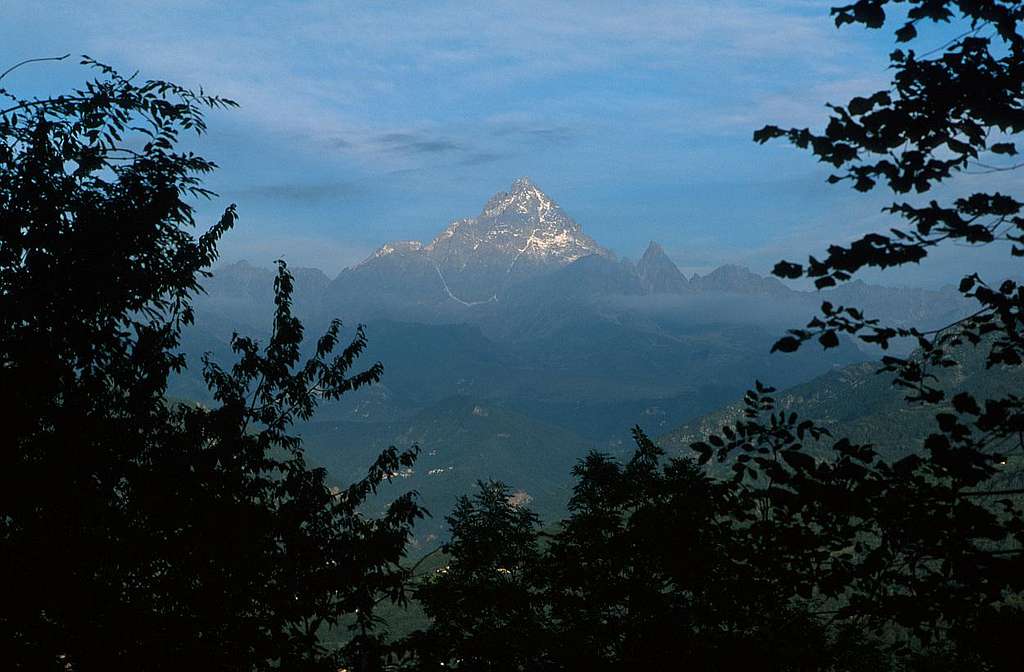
[518,234]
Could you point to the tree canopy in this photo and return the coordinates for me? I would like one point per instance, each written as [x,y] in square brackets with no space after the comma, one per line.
[137,533]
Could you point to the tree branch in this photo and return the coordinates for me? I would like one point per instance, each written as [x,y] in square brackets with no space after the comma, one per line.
[32,60]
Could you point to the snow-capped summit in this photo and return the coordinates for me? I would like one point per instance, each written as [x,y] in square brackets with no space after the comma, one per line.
[524,198]
[395,246]
[518,234]
[522,226]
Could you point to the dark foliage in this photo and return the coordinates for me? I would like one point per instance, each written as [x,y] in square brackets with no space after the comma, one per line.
[946,524]
[952,110]
[648,571]
[911,551]
[794,563]
[842,560]
[656,564]
[134,533]
[484,605]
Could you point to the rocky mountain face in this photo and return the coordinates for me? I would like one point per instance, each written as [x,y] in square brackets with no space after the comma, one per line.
[658,274]
[737,280]
[520,234]
[522,247]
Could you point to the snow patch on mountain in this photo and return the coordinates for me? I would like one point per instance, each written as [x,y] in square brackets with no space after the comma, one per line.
[518,234]
[448,291]
[447,233]
[397,246]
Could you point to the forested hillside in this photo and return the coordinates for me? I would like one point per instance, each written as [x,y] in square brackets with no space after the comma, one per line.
[862,403]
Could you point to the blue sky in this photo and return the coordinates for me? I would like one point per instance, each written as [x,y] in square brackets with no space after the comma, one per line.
[362,122]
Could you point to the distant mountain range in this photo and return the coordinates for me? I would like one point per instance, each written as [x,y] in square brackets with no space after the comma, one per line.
[519,312]
[524,252]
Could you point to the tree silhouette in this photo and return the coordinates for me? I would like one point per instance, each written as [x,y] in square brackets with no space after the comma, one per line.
[895,554]
[944,533]
[657,563]
[484,606]
[136,533]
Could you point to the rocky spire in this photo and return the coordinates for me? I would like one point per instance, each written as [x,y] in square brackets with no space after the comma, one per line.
[658,274]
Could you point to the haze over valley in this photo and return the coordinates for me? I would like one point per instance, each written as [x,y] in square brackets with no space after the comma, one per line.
[513,343]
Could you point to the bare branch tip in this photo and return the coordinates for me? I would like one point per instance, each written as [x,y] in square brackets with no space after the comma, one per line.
[32,60]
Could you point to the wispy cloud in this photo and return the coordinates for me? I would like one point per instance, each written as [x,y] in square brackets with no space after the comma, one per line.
[307,193]
[415,143]
[550,135]
[327,70]
[371,120]
[481,158]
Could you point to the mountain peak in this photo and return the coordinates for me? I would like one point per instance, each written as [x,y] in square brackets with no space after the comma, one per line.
[737,279]
[521,233]
[523,223]
[653,251]
[525,188]
[658,274]
[526,198]
[522,184]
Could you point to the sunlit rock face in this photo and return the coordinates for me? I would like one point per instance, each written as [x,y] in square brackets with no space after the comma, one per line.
[519,234]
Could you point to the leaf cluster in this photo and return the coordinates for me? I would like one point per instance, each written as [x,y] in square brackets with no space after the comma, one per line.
[136,533]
